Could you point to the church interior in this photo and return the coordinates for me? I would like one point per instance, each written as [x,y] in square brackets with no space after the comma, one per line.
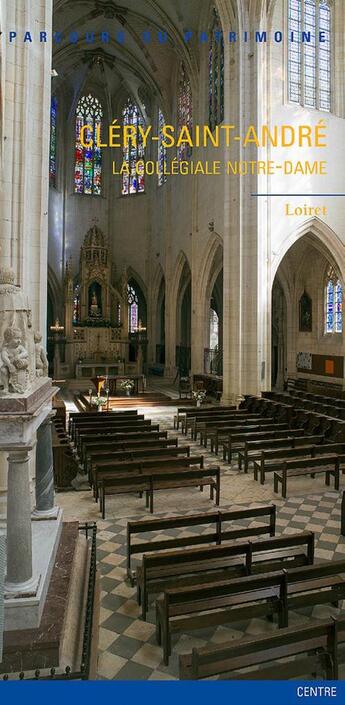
[172,382]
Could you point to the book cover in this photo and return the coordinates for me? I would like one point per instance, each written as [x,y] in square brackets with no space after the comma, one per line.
[171,320]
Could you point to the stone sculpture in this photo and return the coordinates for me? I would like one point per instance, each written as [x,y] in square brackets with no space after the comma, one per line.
[14,363]
[40,357]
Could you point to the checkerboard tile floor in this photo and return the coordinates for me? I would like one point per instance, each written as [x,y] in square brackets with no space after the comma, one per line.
[128,648]
[127,645]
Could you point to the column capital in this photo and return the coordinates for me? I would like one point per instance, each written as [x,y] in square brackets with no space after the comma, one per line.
[19,455]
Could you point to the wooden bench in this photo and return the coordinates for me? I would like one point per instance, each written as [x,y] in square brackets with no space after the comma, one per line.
[165,570]
[114,432]
[184,411]
[266,461]
[252,449]
[217,535]
[121,440]
[195,423]
[184,609]
[75,419]
[192,422]
[150,481]
[218,434]
[329,464]
[105,470]
[101,421]
[135,454]
[236,441]
[241,417]
[131,446]
[87,443]
[110,425]
[318,642]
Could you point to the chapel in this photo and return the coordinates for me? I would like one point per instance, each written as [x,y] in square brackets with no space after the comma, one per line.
[172,341]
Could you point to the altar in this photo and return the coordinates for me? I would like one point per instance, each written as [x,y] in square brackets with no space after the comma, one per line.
[114,383]
[91,368]
[96,338]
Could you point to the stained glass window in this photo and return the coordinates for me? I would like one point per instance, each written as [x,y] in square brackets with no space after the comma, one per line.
[216,73]
[184,111]
[309,63]
[88,160]
[76,305]
[162,150]
[334,304]
[133,309]
[52,148]
[133,152]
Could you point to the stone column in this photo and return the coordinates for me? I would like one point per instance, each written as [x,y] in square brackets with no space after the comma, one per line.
[45,508]
[3,485]
[19,577]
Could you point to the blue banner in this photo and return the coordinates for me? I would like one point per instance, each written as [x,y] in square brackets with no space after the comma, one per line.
[169,693]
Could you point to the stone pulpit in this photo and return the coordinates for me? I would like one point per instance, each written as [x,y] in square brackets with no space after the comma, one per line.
[26,394]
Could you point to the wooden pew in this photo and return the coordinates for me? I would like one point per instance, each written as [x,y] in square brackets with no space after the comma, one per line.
[252,449]
[106,470]
[108,425]
[266,459]
[164,570]
[87,442]
[212,430]
[114,431]
[75,417]
[184,411]
[184,609]
[217,535]
[216,435]
[194,423]
[117,446]
[329,464]
[152,480]
[106,459]
[319,643]
[236,441]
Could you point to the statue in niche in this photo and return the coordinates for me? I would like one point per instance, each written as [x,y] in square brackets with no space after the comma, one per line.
[14,363]
[41,360]
[305,313]
[95,310]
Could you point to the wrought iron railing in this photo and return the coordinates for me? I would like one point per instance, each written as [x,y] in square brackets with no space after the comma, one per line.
[83,673]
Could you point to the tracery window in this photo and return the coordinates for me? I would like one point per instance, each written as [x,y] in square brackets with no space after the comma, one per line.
[88,160]
[133,152]
[216,73]
[309,63]
[133,309]
[184,111]
[162,150]
[52,146]
[334,303]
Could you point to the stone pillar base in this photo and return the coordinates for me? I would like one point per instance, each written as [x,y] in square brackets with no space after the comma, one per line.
[231,399]
[27,589]
[45,514]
